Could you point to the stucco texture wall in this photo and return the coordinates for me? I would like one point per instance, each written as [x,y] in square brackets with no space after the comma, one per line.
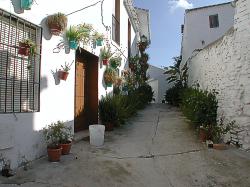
[225,66]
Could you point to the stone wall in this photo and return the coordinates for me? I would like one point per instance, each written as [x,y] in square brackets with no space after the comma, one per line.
[225,66]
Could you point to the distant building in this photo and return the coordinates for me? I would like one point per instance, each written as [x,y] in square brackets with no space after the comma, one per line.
[205,25]
[157,80]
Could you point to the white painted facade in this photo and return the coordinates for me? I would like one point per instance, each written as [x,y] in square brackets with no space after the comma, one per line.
[225,66]
[197,33]
[20,134]
[157,80]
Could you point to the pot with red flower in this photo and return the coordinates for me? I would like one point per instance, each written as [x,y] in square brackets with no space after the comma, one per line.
[27,48]
[105,55]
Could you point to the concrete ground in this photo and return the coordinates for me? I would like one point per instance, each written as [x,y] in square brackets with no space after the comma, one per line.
[156,149]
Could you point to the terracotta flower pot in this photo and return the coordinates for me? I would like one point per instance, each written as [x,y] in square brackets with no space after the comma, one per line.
[109,127]
[54,155]
[66,148]
[63,75]
[55,29]
[23,49]
[202,135]
[105,62]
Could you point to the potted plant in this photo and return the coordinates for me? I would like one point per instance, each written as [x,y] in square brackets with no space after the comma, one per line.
[26,4]
[66,138]
[133,62]
[144,58]
[115,62]
[73,37]
[84,31]
[53,134]
[57,23]
[118,81]
[64,72]
[105,55]
[98,38]
[109,77]
[27,47]
[108,112]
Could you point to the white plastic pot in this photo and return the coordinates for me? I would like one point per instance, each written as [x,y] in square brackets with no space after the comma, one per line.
[96,133]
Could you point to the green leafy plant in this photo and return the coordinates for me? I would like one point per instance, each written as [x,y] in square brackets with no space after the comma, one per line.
[72,34]
[84,31]
[67,134]
[109,75]
[115,61]
[29,44]
[144,57]
[98,36]
[66,66]
[173,95]
[105,53]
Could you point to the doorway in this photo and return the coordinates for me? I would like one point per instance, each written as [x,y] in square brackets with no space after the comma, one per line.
[86,90]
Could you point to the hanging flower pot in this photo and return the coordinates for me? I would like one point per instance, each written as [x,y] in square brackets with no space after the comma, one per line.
[26,4]
[109,77]
[73,44]
[115,62]
[109,84]
[63,75]
[105,62]
[24,49]
[57,23]
[99,42]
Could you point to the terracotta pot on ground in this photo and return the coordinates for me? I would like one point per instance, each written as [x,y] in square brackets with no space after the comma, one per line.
[23,49]
[109,127]
[66,148]
[202,134]
[54,154]
[105,62]
[221,146]
[63,75]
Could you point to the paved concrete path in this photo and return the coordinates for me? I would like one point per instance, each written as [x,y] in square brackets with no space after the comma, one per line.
[156,149]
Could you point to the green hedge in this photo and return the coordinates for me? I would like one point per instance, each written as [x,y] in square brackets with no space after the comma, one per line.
[199,106]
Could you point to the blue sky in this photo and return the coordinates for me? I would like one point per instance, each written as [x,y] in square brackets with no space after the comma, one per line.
[166,19]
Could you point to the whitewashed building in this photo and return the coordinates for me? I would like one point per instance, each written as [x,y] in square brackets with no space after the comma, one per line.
[30,100]
[157,80]
[204,25]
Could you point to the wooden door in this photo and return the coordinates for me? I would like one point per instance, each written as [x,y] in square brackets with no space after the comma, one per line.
[80,97]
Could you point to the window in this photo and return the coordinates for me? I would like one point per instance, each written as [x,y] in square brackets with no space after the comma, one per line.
[214,21]
[19,75]
[116,23]
[129,38]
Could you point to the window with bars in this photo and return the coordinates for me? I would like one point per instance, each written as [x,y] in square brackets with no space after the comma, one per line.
[19,75]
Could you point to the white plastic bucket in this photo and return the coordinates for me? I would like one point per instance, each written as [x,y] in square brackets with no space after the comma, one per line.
[96,133]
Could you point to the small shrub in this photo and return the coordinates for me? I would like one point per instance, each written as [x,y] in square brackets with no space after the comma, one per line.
[173,95]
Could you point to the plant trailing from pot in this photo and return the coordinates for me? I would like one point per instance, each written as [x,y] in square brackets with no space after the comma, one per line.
[64,72]
[26,4]
[57,23]
[53,134]
[109,77]
[115,62]
[66,138]
[73,37]
[98,38]
[27,48]
[84,31]
[105,55]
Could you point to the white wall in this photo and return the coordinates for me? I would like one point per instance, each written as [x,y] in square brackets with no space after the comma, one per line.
[57,101]
[197,28]
[225,67]
[143,16]
[156,73]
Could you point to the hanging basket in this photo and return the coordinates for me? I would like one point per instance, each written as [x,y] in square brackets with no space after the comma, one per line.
[63,75]
[105,62]
[23,49]
[99,42]
[55,29]
[26,4]
[73,44]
